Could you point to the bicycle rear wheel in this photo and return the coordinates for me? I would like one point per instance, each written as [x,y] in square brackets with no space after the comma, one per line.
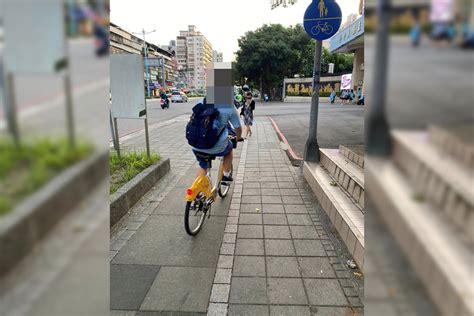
[225,186]
[194,216]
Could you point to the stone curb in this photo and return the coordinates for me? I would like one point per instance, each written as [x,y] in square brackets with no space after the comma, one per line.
[31,220]
[131,192]
[294,158]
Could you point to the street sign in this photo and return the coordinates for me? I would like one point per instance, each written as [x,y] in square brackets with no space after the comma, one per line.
[154,62]
[126,84]
[322,19]
[346,81]
[34,37]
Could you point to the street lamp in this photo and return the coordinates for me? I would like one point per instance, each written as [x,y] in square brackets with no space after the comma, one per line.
[145,51]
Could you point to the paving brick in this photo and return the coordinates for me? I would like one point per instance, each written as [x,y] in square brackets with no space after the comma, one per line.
[225,261]
[248,291]
[274,219]
[249,266]
[227,249]
[277,232]
[286,310]
[184,289]
[223,276]
[270,191]
[217,309]
[251,191]
[325,292]
[315,267]
[130,283]
[250,231]
[303,232]
[249,247]
[279,247]
[292,199]
[273,208]
[271,199]
[282,267]
[295,209]
[251,199]
[247,310]
[220,293]
[251,219]
[299,219]
[229,238]
[309,248]
[250,208]
[286,291]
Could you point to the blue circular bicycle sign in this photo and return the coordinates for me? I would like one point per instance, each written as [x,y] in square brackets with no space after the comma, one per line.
[322,19]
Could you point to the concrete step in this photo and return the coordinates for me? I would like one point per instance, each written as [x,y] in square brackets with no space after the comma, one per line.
[457,141]
[442,262]
[346,217]
[346,173]
[437,178]
[354,153]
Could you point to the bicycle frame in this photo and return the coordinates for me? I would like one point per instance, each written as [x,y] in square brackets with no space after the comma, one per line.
[203,184]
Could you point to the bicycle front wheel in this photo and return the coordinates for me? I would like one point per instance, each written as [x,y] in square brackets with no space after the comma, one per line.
[194,216]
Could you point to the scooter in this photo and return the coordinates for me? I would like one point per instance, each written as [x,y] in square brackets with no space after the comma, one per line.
[165,104]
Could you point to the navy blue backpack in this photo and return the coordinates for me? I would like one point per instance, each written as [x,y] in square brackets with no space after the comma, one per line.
[204,128]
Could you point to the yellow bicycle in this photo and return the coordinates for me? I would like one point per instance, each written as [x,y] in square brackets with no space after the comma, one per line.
[202,193]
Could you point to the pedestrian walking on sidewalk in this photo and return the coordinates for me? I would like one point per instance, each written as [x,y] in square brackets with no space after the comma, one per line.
[247,112]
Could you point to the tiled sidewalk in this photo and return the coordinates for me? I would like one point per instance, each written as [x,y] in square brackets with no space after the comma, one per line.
[275,256]
[265,251]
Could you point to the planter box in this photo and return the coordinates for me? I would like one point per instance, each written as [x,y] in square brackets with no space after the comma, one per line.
[131,192]
[31,220]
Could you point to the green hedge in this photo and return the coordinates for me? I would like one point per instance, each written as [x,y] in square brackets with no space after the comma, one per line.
[24,169]
[126,167]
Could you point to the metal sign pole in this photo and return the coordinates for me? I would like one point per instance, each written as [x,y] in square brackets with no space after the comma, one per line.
[311,152]
[146,132]
[116,137]
[10,107]
[69,109]
[112,130]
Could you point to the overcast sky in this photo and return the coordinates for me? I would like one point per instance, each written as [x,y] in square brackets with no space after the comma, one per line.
[221,21]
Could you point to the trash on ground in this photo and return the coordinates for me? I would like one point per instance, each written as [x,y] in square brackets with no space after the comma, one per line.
[333,183]
[351,264]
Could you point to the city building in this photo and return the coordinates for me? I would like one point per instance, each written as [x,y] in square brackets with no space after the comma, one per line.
[194,52]
[217,57]
[163,66]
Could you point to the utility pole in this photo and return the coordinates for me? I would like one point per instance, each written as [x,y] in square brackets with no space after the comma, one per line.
[311,151]
[377,129]
[145,51]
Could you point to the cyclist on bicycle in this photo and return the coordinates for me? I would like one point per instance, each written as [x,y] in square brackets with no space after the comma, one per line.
[220,93]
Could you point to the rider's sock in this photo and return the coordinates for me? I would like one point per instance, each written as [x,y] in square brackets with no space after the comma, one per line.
[226,173]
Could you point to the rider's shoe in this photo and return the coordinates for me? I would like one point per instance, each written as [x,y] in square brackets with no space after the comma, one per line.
[227,179]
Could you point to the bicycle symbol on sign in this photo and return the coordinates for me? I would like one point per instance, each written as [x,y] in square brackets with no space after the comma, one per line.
[322,27]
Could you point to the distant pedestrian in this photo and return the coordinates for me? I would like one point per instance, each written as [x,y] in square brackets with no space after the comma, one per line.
[415,34]
[332,96]
[247,112]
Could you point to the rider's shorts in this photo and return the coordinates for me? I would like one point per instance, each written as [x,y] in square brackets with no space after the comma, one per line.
[204,164]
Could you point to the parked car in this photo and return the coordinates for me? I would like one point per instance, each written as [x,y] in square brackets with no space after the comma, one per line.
[178,96]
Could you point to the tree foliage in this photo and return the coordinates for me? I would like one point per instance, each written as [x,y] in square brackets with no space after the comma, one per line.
[272,52]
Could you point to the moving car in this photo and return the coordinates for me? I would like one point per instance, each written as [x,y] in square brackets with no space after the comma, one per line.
[178,96]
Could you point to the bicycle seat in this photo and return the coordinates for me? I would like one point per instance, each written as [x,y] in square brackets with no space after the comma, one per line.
[204,156]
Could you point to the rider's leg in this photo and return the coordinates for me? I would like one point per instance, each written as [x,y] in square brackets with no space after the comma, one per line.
[201,172]
[228,162]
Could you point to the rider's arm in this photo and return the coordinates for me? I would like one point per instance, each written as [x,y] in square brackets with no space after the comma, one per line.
[238,131]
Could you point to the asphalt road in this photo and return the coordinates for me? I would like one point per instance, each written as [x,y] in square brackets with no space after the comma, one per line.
[428,85]
[338,124]
[40,100]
